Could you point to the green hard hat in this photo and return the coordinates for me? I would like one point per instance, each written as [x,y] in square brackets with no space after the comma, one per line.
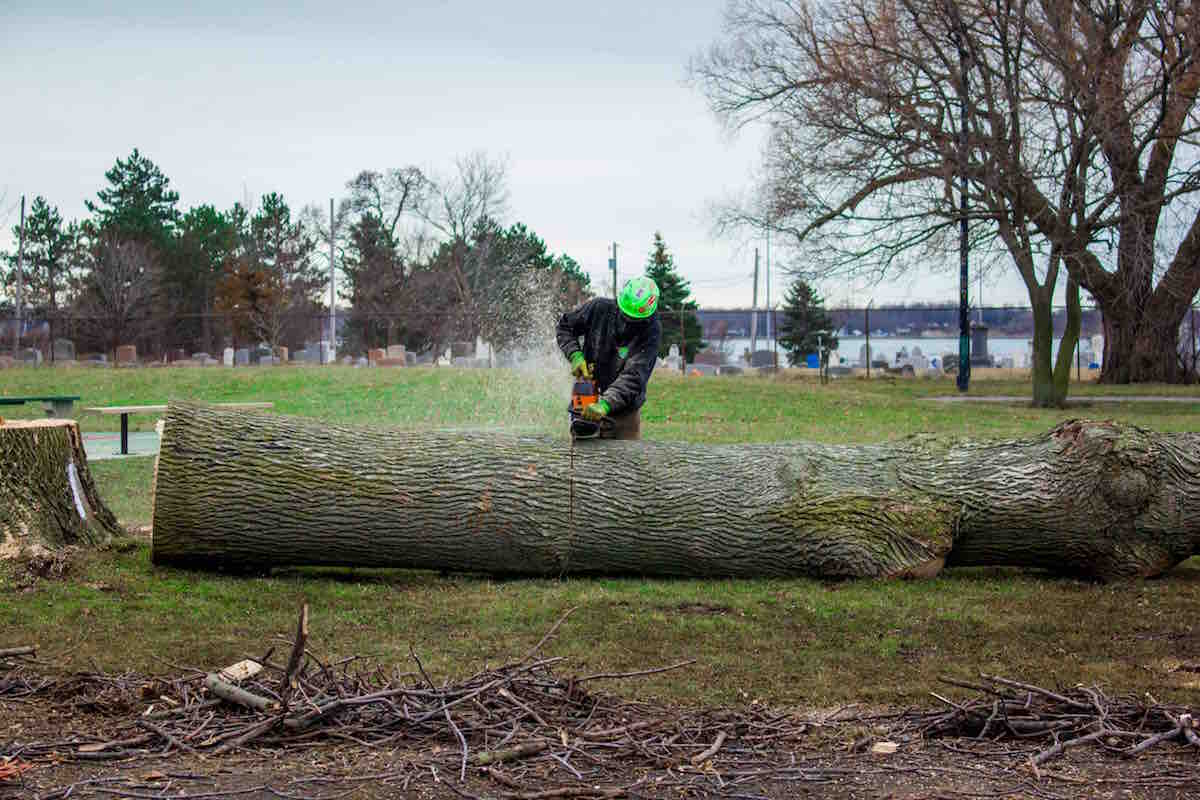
[639,297]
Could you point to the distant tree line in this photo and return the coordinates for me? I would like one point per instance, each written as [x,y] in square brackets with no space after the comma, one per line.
[422,260]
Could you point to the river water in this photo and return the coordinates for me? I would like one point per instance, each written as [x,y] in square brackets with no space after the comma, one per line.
[886,347]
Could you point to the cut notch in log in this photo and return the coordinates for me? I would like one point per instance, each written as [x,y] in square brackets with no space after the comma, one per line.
[47,496]
[239,491]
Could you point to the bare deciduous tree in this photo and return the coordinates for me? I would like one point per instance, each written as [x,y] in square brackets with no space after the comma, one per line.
[463,208]
[381,253]
[389,195]
[1081,149]
[477,190]
[121,292]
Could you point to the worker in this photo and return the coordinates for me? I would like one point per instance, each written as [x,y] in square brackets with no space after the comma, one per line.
[620,346]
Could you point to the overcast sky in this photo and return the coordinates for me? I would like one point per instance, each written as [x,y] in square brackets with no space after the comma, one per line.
[587,101]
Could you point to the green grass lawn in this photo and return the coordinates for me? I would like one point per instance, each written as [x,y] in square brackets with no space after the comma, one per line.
[780,641]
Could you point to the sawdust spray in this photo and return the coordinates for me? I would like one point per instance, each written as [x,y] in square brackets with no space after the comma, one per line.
[528,386]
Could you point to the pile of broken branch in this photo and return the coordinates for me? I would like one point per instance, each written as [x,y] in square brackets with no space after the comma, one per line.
[521,725]
[1007,709]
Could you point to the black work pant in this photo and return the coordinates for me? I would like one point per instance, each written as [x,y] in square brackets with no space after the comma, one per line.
[626,426]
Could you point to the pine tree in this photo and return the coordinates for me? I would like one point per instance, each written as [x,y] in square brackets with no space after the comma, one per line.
[206,241]
[673,294]
[49,255]
[806,327]
[139,204]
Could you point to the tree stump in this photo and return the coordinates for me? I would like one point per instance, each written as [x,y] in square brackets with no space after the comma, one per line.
[47,496]
[240,490]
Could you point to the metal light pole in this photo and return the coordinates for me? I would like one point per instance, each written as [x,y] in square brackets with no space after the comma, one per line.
[772,334]
[867,329]
[754,311]
[964,334]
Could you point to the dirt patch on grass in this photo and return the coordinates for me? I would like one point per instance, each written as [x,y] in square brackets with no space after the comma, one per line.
[705,609]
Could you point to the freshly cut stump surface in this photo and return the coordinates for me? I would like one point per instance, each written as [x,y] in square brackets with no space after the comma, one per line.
[239,490]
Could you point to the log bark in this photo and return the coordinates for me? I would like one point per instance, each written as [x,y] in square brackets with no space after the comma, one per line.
[250,491]
[47,496]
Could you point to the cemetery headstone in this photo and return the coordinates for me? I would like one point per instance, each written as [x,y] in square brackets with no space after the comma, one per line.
[979,351]
[241,357]
[763,358]
[227,357]
[31,356]
[64,350]
[674,362]
[127,354]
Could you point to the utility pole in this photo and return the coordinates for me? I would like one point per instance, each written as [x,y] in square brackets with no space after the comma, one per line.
[20,280]
[612,265]
[964,336]
[332,295]
[754,311]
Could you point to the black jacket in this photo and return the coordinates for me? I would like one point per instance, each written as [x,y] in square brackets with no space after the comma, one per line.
[605,329]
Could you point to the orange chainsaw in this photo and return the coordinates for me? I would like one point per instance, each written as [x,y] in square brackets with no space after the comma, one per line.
[583,393]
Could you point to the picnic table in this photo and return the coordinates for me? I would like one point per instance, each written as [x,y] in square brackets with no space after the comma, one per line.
[125,411]
[56,405]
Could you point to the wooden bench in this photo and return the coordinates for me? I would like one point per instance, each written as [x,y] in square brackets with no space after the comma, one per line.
[125,411]
[58,406]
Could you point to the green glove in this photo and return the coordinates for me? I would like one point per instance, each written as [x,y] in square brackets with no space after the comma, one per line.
[596,410]
[579,366]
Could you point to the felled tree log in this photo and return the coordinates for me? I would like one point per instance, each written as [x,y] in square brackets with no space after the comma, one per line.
[237,490]
[47,496]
